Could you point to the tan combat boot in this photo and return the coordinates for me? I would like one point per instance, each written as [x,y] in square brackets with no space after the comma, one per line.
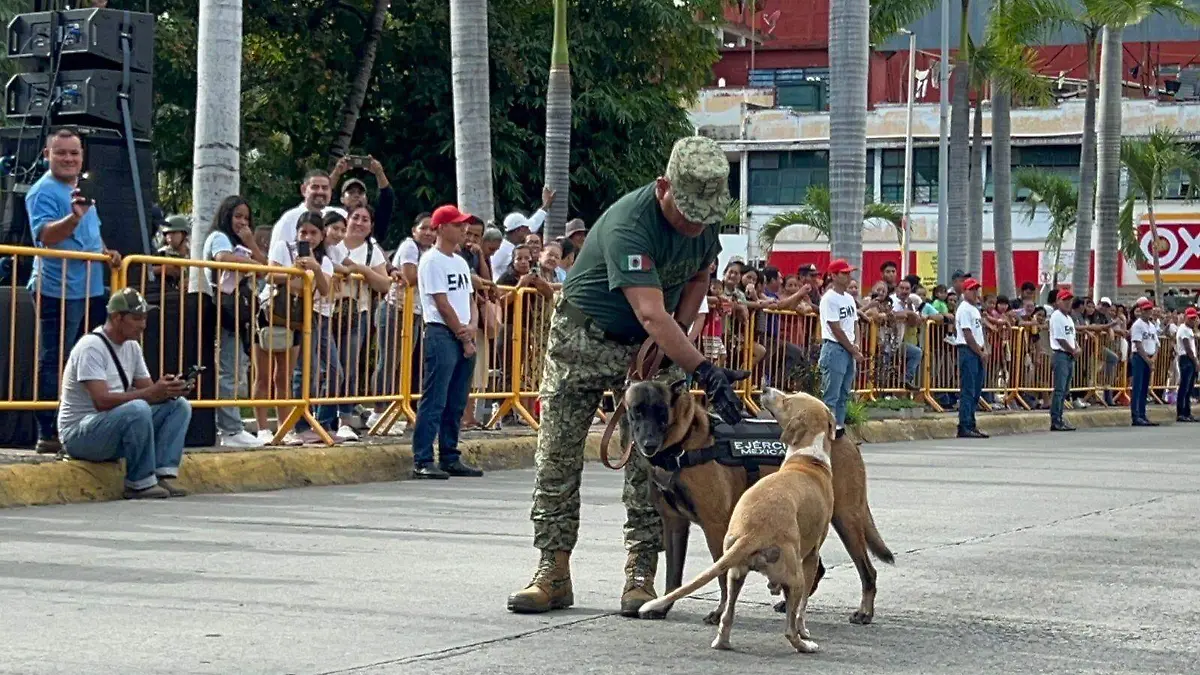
[639,582]
[550,587]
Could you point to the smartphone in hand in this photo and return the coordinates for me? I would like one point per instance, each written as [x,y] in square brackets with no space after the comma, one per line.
[86,188]
[303,250]
[358,162]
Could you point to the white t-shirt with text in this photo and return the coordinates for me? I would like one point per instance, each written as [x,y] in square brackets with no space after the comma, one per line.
[450,274]
[1183,337]
[840,308]
[90,361]
[1145,333]
[967,316]
[1061,328]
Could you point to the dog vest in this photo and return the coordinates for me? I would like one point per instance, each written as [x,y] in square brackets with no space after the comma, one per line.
[750,443]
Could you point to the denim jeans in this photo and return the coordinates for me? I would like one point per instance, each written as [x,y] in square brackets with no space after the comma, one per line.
[349,343]
[233,381]
[446,386]
[65,316]
[837,378]
[1063,367]
[1140,388]
[1187,385]
[387,340]
[971,375]
[912,364]
[148,437]
[326,375]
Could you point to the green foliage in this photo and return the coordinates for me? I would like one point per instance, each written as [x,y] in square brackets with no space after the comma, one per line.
[632,65]
[893,404]
[815,214]
[856,413]
[1150,161]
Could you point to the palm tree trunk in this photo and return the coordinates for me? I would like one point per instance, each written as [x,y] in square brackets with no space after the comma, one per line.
[1154,256]
[472,106]
[1087,181]
[1006,281]
[848,58]
[975,194]
[558,125]
[217,147]
[358,90]
[960,139]
[1108,165]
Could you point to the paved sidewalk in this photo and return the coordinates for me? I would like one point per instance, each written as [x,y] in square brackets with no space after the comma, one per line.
[1042,553]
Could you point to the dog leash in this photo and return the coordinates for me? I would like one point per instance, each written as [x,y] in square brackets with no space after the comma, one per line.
[643,367]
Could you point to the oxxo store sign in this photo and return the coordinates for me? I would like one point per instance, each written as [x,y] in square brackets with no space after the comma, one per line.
[1178,248]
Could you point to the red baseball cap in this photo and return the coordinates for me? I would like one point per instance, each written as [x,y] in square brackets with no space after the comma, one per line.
[1146,304]
[970,284]
[1065,294]
[448,214]
[1191,312]
[838,266]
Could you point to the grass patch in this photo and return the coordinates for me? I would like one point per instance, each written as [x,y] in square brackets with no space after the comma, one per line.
[894,404]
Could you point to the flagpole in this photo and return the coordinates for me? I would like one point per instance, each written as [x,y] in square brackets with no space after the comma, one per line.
[906,225]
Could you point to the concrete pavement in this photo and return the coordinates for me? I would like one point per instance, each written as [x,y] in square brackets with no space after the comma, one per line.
[1063,553]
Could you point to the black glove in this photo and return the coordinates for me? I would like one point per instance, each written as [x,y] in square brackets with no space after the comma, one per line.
[717,383]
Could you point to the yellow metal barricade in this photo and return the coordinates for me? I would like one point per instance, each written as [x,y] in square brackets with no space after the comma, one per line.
[789,362]
[47,300]
[287,293]
[1165,376]
[892,358]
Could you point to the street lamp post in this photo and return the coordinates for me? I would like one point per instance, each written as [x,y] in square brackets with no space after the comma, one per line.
[906,231]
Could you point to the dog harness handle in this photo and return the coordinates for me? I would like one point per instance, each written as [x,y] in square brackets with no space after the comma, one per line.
[643,367]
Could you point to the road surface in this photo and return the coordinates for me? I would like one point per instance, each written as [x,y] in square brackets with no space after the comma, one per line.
[1065,553]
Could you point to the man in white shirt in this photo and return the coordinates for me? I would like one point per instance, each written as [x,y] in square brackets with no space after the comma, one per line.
[906,317]
[1063,344]
[451,318]
[1143,338]
[1189,364]
[516,228]
[110,408]
[971,351]
[839,351]
[316,190]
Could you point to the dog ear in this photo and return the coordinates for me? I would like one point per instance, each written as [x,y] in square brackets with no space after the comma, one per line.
[678,388]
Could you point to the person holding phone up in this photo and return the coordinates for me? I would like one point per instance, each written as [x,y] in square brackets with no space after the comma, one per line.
[69,293]
[111,409]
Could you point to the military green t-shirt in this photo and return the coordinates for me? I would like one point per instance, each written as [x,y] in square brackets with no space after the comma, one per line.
[632,245]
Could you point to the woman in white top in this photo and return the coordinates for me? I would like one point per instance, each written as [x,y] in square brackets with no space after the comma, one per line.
[232,241]
[274,363]
[364,259]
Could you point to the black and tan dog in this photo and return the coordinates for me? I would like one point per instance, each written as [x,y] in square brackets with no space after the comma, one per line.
[665,420]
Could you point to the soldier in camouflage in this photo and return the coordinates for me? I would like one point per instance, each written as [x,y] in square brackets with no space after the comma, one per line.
[642,272]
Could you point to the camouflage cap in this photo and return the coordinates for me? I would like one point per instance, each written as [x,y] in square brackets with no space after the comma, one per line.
[177,224]
[699,175]
[128,301]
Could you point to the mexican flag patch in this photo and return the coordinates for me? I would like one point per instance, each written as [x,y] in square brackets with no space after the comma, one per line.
[638,263]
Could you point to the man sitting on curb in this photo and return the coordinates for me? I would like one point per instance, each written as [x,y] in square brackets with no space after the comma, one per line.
[110,409]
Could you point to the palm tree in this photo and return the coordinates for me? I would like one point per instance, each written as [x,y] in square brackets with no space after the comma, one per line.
[1058,196]
[815,214]
[958,192]
[849,26]
[358,89]
[472,106]
[558,125]
[1149,163]
[1116,15]
[217,147]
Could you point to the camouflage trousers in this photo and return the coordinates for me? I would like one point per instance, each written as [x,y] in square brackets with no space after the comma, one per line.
[580,365]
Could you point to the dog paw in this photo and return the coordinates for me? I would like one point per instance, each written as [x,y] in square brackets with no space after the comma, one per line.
[653,613]
[721,643]
[713,618]
[806,647]
[781,606]
[861,618]
[803,632]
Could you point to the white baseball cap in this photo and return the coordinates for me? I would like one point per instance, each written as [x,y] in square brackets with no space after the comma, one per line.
[1106,301]
[515,221]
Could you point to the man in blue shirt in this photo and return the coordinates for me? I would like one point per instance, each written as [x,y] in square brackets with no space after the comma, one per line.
[70,293]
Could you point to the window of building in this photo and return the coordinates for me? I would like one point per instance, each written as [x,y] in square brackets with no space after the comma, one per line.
[1060,159]
[1178,185]
[783,178]
[925,176]
[804,96]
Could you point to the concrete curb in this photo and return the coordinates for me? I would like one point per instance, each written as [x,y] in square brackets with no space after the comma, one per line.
[77,481]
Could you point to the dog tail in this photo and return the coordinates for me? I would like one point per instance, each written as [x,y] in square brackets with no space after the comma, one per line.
[875,542]
[741,550]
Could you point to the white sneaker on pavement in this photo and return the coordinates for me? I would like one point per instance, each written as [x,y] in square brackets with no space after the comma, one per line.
[266,436]
[242,439]
[293,439]
[346,433]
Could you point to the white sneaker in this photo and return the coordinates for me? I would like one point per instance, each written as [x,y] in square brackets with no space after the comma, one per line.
[373,419]
[293,439]
[345,433]
[266,436]
[242,439]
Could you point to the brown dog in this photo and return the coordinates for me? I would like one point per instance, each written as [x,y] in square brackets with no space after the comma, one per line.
[779,524]
[662,417]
